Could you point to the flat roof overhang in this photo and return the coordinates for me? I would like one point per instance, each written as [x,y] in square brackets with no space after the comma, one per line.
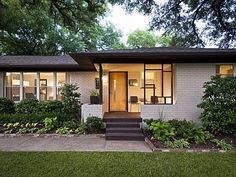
[158,55]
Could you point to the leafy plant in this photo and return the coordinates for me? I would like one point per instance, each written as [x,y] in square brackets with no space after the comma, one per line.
[199,136]
[71,102]
[162,131]
[80,129]
[50,107]
[219,105]
[50,123]
[27,106]
[41,131]
[94,93]
[72,124]
[181,143]
[94,125]
[7,106]
[222,144]
[64,130]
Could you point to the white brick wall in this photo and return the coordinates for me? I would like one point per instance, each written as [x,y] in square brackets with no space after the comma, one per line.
[86,83]
[92,110]
[189,80]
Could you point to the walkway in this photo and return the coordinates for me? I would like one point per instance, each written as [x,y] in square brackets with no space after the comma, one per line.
[75,143]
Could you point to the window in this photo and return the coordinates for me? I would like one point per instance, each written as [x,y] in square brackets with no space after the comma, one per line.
[29,85]
[226,70]
[12,83]
[61,79]
[158,84]
[46,86]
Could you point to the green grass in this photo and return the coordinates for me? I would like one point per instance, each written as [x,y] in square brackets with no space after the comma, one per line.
[70,164]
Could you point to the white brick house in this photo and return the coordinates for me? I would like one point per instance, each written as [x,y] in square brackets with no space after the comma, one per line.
[157,83]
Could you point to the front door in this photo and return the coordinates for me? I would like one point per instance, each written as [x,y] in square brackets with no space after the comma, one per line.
[118,91]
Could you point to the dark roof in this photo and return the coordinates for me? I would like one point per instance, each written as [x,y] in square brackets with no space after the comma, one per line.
[41,63]
[159,55]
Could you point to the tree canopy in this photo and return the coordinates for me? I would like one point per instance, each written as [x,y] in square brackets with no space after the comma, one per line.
[196,22]
[47,27]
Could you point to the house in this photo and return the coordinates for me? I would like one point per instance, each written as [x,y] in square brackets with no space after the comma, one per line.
[155,82]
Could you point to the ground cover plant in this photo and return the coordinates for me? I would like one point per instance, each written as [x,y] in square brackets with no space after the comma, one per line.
[116,164]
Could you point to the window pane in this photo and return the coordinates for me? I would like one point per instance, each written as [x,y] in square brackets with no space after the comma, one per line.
[167,67]
[29,85]
[226,70]
[167,83]
[153,66]
[61,79]
[46,86]
[13,86]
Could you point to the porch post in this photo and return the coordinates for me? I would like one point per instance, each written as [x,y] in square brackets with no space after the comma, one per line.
[100,84]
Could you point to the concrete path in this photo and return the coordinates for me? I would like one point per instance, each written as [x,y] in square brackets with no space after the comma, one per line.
[76,143]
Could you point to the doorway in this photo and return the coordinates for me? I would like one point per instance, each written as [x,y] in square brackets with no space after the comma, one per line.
[118,88]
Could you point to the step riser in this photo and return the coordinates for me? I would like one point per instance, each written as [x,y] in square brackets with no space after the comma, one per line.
[121,120]
[123,125]
[123,131]
[124,138]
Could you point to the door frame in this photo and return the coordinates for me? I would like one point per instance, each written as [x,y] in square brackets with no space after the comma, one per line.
[126,78]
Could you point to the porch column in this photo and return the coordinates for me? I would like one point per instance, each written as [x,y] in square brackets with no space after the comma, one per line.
[100,84]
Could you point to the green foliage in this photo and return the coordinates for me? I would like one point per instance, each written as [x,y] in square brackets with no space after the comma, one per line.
[50,107]
[50,123]
[181,143]
[80,129]
[71,102]
[139,38]
[72,124]
[183,17]
[27,106]
[162,131]
[19,127]
[7,106]
[94,125]
[94,93]
[222,144]
[21,118]
[63,130]
[219,105]
[199,136]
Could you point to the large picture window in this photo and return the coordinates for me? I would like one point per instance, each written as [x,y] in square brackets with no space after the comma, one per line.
[34,85]
[226,70]
[158,84]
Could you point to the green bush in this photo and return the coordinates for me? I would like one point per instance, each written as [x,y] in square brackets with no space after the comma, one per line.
[7,106]
[27,106]
[222,144]
[94,125]
[21,118]
[48,107]
[50,123]
[162,131]
[71,102]
[181,143]
[219,105]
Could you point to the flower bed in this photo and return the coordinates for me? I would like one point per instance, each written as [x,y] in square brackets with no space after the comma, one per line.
[184,135]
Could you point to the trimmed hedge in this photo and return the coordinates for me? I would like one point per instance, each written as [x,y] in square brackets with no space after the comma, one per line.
[7,106]
[21,118]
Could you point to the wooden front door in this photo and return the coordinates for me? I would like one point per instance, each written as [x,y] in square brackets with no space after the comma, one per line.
[118,91]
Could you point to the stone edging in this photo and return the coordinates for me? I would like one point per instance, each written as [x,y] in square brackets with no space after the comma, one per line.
[155,149]
[46,135]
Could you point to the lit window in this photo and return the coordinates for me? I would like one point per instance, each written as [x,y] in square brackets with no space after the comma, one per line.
[225,70]
[46,86]
[13,86]
[61,79]
[29,85]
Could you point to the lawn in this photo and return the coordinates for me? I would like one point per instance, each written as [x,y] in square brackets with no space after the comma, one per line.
[70,164]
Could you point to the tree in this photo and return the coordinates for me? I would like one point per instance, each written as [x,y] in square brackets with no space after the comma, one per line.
[195,22]
[53,27]
[141,38]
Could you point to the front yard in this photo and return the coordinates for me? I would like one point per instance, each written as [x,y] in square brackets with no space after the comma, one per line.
[70,164]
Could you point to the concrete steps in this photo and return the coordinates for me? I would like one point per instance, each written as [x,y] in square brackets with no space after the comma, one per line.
[123,129]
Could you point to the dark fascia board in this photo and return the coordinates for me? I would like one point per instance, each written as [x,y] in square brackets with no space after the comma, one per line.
[160,56]
[65,68]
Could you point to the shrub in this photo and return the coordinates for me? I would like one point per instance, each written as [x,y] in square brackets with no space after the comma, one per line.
[50,123]
[49,107]
[71,102]
[21,118]
[94,125]
[63,130]
[7,106]
[219,105]
[27,106]
[72,124]
[162,131]
[199,135]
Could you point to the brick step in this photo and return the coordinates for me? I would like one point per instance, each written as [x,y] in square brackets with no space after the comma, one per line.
[125,136]
[122,124]
[122,120]
[123,130]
